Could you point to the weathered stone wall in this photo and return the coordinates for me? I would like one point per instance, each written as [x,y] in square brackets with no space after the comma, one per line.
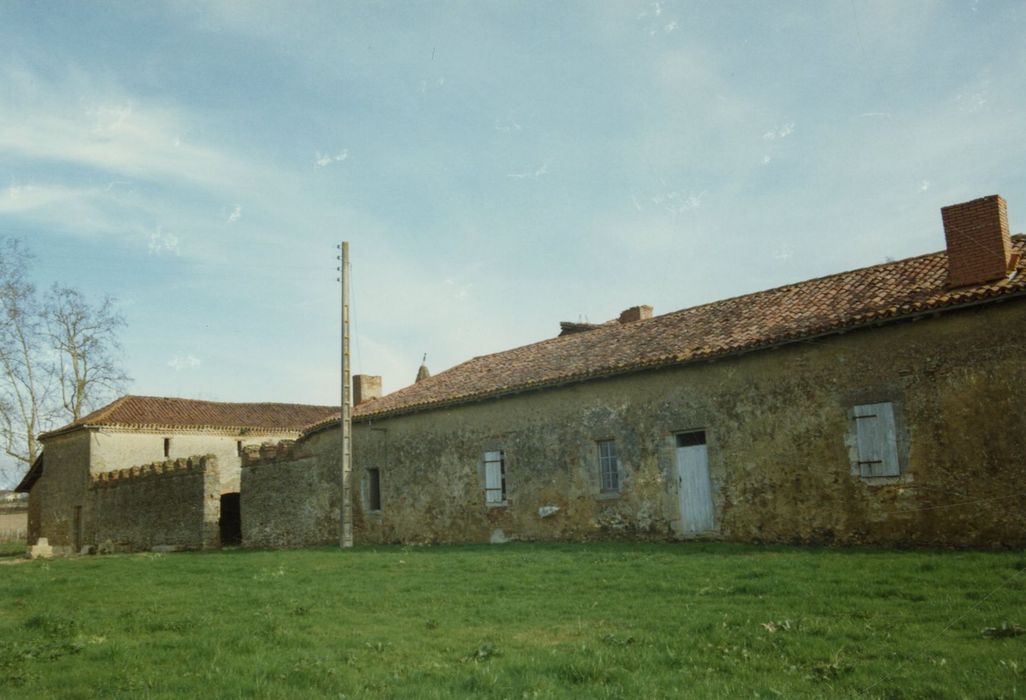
[289,496]
[779,437]
[60,490]
[175,503]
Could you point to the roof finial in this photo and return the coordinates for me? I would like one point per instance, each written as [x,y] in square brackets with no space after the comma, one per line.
[423,372]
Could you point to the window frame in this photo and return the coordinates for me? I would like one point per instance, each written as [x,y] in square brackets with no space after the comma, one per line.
[610,478]
[495,489]
[373,489]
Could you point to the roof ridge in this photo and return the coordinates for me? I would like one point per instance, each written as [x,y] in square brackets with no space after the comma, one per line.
[221,403]
[608,327]
[884,291]
[821,278]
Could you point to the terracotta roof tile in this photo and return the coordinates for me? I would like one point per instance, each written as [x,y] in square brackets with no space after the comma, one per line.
[158,412]
[788,313]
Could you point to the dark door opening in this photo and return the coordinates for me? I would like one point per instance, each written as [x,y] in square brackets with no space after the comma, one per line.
[231,520]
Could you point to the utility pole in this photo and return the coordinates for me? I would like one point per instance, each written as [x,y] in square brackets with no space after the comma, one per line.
[346,539]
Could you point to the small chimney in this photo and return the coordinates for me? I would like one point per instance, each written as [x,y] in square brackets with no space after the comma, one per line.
[979,244]
[636,313]
[366,387]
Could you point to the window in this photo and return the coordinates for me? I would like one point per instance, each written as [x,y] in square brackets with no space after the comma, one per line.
[373,489]
[691,439]
[495,477]
[876,444]
[609,466]
[238,447]
[167,447]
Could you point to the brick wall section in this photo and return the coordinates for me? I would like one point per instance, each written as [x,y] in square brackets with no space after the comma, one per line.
[978,241]
[173,503]
[290,497]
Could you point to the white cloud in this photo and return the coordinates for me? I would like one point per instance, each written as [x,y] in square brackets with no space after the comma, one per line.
[161,242]
[325,159]
[24,198]
[182,361]
[780,132]
[76,121]
[679,202]
[459,290]
[541,170]
[508,127]
[924,185]
[235,215]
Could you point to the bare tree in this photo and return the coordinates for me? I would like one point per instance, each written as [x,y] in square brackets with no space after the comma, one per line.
[85,339]
[57,360]
[24,378]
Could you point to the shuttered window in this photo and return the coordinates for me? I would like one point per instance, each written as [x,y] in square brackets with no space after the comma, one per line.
[876,439]
[495,477]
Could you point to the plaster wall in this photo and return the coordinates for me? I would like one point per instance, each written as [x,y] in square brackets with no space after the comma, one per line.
[780,444]
[113,449]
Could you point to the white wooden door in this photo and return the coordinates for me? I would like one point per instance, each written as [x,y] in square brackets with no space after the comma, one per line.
[696,505]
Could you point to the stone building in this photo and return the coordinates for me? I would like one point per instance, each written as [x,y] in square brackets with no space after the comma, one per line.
[882,405]
[146,471]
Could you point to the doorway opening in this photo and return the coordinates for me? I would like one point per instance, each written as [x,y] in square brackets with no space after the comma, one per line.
[231,520]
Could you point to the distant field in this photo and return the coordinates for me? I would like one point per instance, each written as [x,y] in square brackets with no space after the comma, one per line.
[515,621]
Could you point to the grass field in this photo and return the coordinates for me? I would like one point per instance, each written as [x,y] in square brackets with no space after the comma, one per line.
[516,621]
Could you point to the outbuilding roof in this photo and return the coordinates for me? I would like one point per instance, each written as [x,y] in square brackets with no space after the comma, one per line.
[155,412]
[835,303]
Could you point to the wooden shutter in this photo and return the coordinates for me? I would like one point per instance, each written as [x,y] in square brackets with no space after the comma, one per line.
[876,439]
[495,490]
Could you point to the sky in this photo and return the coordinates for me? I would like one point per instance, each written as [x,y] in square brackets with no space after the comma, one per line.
[497,167]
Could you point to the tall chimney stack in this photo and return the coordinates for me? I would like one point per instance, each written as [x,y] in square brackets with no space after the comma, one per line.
[979,243]
[366,387]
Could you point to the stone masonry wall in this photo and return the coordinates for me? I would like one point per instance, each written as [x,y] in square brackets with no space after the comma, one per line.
[175,503]
[780,438]
[289,497]
[60,491]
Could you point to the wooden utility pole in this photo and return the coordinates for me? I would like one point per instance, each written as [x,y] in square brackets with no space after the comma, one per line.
[346,539]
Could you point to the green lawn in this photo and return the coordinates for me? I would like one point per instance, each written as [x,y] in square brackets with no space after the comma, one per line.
[518,620]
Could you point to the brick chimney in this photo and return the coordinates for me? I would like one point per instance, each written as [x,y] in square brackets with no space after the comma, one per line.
[635,313]
[366,387]
[979,244]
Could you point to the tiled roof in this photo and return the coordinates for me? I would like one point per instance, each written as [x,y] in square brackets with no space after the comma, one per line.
[824,305]
[157,412]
